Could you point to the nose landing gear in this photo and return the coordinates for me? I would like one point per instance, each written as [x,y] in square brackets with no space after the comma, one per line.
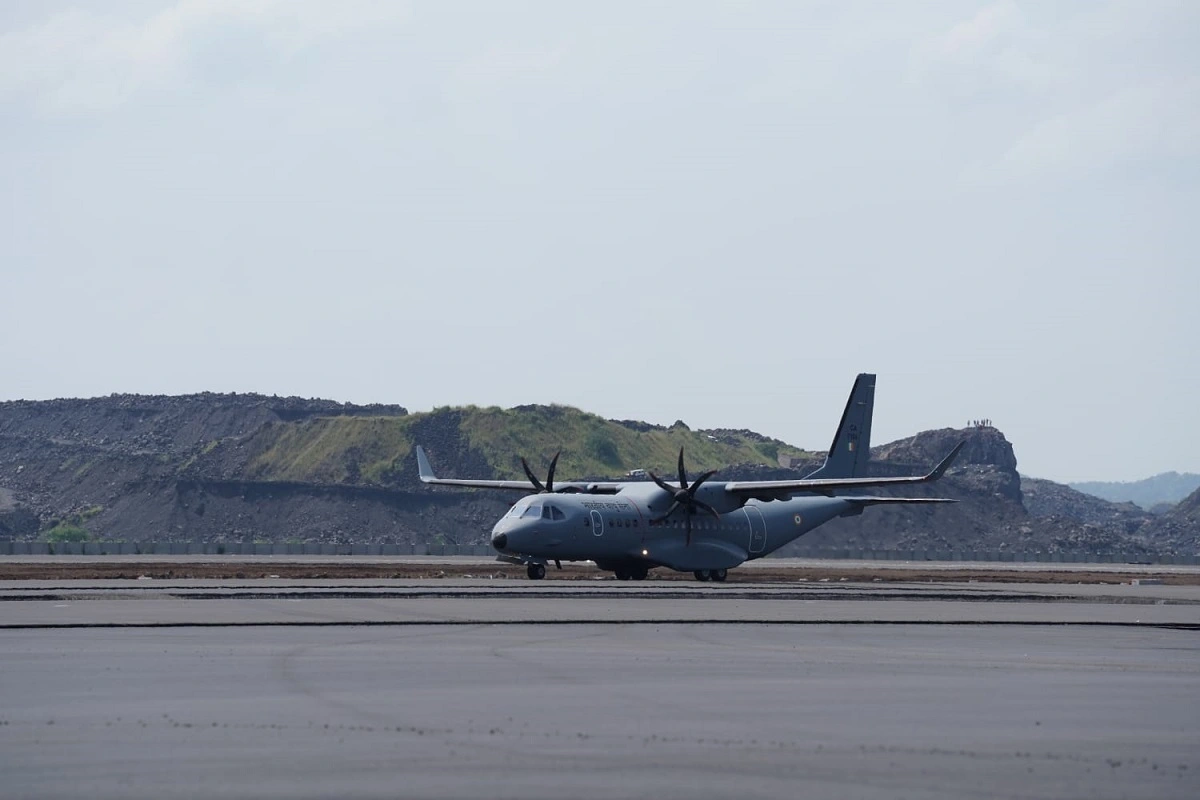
[536,571]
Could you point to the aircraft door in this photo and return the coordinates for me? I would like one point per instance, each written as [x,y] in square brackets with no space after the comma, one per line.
[597,524]
[758,529]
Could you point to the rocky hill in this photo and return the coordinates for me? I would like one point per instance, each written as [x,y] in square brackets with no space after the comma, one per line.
[1178,530]
[1164,489]
[118,461]
[996,512]
[214,467]
[248,467]
[1047,499]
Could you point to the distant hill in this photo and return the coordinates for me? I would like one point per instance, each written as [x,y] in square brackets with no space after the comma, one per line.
[1049,499]
[238,467]
[1166,488]
[489,442]
[1179,528]
[226,467]
[1188,509]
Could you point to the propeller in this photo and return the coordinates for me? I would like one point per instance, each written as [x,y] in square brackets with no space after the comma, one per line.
[548,488]
[685,496]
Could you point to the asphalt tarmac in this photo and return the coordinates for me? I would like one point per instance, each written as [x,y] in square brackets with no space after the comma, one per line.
[475,688]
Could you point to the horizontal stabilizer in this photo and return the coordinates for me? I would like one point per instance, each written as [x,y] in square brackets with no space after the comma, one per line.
[857,504]
[876,501]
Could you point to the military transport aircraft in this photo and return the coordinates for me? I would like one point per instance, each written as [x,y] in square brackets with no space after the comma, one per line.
[705,527]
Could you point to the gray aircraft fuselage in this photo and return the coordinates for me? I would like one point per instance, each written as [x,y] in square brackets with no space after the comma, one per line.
[619,529]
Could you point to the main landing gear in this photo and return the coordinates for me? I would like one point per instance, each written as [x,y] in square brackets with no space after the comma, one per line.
[636,573]
[718,575]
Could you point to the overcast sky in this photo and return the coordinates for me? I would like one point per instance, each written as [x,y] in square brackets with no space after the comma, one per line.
[717,212]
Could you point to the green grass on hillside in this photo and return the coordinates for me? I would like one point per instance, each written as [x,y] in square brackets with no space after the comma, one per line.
[592,446]
[364,449]
[330,449]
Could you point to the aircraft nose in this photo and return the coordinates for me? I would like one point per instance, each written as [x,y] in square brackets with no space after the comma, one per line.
[500,541]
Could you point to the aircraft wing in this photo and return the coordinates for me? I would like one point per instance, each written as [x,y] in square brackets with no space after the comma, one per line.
[761,490]
[783,490]
[425,471]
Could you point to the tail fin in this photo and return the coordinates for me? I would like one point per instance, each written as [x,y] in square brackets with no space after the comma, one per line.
[852,443]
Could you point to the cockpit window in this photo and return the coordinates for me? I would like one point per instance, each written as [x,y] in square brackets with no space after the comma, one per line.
[533,510]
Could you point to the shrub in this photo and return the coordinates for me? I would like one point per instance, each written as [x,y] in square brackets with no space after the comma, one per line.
[67,532]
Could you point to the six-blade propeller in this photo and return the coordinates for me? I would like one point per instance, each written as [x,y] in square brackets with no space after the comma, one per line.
[682,497]
[548,488]
[685,496]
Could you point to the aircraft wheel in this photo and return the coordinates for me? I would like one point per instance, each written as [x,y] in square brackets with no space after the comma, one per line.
[536,571]
[639,573]
[702,574]
[719,575]
[623,574]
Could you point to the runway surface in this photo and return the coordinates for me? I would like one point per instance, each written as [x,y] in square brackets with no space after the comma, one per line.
[478,688]
[768,570]
[758,564]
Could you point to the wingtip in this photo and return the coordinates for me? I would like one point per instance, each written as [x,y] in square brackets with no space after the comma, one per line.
[941,468]
[424,469]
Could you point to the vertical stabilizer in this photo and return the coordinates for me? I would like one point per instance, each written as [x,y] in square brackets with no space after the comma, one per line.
[852,443]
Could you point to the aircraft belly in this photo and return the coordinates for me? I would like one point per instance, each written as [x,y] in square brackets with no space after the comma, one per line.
[700,554]
[589,548]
